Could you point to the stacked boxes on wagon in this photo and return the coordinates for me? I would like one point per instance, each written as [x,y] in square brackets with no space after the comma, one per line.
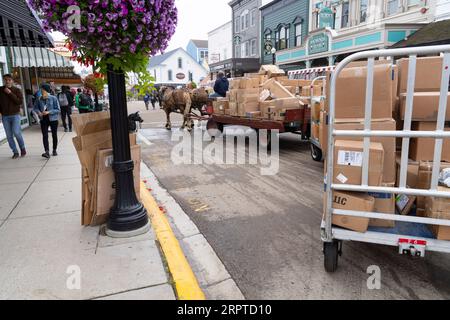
[264,95]
[388,109]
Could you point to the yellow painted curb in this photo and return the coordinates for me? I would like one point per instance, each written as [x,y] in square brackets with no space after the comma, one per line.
[186,284]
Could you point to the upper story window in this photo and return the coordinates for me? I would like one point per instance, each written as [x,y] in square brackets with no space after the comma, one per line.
[180,63]
[253,47]
[237,24]
[245,20]
[191,76]
[345,15]
[315,15]
[414,2]
[237,51]
[253,18]
[203,55]
[393,6]
[363,11]
[169,75]
[298,34]
[282,38]
[245,49]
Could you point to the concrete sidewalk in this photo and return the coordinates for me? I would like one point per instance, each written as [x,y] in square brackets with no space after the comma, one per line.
[43,247]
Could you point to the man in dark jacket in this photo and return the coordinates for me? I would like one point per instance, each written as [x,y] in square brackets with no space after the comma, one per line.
[11,100]
[66,103]
[221,86]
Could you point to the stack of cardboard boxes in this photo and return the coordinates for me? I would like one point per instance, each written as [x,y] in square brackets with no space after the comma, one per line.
[264,95]
[388,110]
[93,144]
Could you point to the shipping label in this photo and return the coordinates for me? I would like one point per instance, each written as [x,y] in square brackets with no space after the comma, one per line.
[350,158]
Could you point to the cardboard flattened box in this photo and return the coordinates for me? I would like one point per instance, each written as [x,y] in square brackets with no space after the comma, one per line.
[428,74]
[271,71]
[352,201]
[276,89]
[248,83]
[424,179]
[351,92]
[389,146]
[425,106]
[422,149]
[348,160]
[106,190]
[439,208]
[384,203]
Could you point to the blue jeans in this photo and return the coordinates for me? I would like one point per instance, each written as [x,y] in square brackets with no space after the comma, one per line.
[12,129]
[215,95]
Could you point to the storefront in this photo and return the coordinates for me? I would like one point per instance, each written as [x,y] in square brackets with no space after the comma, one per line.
[236,67]
[325,47]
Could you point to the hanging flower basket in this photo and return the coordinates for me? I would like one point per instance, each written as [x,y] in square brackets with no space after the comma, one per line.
[123,33]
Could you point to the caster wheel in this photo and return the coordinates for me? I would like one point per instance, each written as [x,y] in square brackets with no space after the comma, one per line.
[316,153]
[331,255]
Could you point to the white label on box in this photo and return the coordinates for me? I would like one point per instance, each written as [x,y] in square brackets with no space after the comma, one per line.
[109,161]
[342,178]
[350,158]
[401,201]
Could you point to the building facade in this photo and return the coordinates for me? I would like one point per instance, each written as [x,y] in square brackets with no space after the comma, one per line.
[198,50]
[442,10]
[220,44]
[284,26]
[175,68]
[338,28]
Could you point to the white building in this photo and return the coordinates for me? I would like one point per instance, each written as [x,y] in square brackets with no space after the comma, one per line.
[442,10]
[220,43]
[176,67]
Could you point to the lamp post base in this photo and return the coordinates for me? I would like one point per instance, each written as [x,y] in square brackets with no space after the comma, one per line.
[128,234]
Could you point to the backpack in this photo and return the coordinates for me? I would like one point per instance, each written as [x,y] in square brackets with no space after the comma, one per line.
[62,98]
[84,100]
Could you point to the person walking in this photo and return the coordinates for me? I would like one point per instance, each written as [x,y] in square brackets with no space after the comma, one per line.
[153,99]
[48,110]
[83,102]
[10,102]
[34,118]
[147,100]
[65,100]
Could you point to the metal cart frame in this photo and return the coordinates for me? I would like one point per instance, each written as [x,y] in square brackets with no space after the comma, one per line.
[316,149]
[333,236]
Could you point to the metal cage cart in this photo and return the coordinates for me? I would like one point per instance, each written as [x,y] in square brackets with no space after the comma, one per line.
[316,151]
[333,236]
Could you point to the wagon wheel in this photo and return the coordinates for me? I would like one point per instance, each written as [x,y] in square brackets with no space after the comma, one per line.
[316,153]
[214,128]
[331,253]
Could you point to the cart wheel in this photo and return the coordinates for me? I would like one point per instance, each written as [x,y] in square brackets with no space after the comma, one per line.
[331,253]
[214,128]
[316,153]
[264,140]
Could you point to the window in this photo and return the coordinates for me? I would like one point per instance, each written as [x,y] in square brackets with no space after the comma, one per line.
[253,47]
[392,7]
[337,17]
[237,23]
[191,76]
[225,54]
[363,11]
[282,38]
[413,2]
[345,15]
[245,49]
[180,63]
[237,51]
[315,15]
[253,18]
[169,75]
[245,20]
[298,34]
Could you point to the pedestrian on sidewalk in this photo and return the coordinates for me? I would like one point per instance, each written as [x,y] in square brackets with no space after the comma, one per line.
[147,100]
[153,99]
[10,102]
[83,102]
[48,110]
[65,100]
[30,106]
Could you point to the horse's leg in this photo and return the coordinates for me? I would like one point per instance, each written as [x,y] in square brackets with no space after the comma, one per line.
[187,119]
[183,112]
[168,124]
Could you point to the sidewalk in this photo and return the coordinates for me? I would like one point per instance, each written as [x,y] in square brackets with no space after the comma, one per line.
[43,245]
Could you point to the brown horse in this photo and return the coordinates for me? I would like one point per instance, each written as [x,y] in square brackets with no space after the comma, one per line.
[182,101]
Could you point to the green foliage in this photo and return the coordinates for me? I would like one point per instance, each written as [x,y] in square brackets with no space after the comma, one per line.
[145,83]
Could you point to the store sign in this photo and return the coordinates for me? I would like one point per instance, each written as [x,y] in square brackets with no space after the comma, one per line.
[237,40]
[61,49]
[318,44]
[268,46]
[180,76]
[325,18]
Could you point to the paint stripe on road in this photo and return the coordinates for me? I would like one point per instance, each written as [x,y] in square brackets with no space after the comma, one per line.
[186,284]
[144,139]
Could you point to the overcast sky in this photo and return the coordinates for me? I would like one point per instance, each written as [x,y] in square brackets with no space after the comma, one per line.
[197,17]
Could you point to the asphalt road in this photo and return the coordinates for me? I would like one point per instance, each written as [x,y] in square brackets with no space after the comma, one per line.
[266,229]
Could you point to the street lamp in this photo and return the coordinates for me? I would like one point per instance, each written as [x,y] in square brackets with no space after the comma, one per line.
[273,51]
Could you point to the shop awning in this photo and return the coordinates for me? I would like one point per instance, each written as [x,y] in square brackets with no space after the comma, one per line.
[37,57]
[435,33]
[20,26]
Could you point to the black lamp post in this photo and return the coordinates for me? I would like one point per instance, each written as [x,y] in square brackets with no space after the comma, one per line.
[128,217]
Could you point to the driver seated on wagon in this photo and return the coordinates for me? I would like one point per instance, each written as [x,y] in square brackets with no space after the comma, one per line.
[220,87]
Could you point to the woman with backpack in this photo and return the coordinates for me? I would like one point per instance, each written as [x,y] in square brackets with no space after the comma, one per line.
[66,103]
[83,102]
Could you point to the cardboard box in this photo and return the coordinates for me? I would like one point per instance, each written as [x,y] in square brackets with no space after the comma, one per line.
[351,92]
[220,106]
[348,162]
[412,172]
[267,110]
[352,201]
[439,208]
[264,95]
[276,89]
[106,182]
[323,132]
[235,83]
[384,203]
[245,98]
[292,90]
[428,74]
[315,90]
[288,103]
[81,120]
[315,111]
[243,108]
[271,71]
[425,106]
[233,95]
[404,203]
[253,114]
[233,110]
[422,149]
[315,130]
[389,171]
[424,179]
[248,83]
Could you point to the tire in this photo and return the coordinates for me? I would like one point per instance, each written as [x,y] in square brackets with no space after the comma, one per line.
[214,128]
[316,153]
[331,254]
